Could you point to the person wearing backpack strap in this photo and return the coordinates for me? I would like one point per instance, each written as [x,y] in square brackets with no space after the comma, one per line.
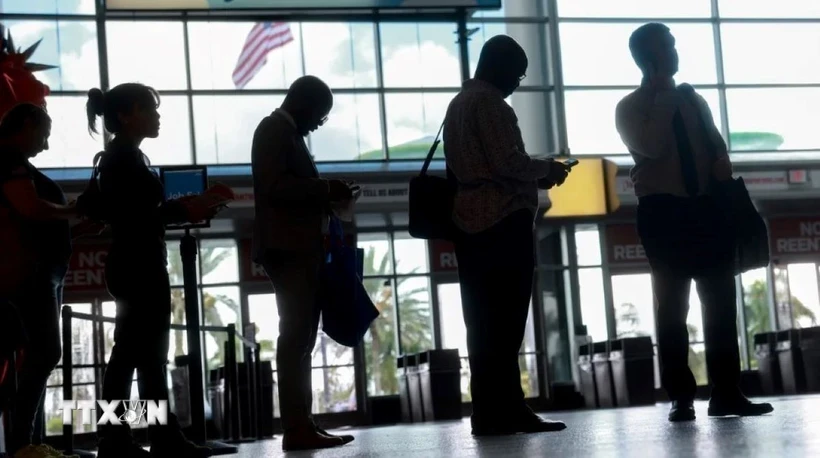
[36,247]
[132,202]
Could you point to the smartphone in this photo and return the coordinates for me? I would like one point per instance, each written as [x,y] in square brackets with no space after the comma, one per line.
[570,163]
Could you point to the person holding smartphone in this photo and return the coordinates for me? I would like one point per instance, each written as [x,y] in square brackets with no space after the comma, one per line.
[678,152]
[136,267]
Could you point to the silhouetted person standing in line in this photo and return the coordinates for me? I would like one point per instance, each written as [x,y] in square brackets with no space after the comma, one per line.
[673,139]
[495,207]
[292,205]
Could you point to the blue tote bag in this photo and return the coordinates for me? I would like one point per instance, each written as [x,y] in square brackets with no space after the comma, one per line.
[347,309]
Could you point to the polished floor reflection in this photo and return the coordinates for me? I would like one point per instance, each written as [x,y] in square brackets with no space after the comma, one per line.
[792,431]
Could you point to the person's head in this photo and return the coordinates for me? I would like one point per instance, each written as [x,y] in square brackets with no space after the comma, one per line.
[502,63]
[25,129]
[128,110]
[309,102]
[653,48]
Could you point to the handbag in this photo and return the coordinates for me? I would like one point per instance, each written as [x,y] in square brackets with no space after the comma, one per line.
[91,204]
[747,228]
[347,310]
[431,201]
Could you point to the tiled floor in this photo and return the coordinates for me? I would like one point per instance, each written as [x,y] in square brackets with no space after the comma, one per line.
[792,431]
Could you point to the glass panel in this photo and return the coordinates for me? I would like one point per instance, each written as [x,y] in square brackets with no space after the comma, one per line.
[788,122]
[331,55]
[215,48]
[378,260]
[173,146]
[69,45]
[634,305]
[334,390]
[767,9]
[329,353]
[109,309]
[262,312]
[151,53]
[352,131]
[694,322]
[591,119]
[276,413]
[466,394]
[411,254]
[783,297]
[805,303]
[225,125]
[529,375]
[550,247]
[82,339]
[587,48]
[380,341]
[635,8]
[69,144]
[415,314]
[453,329]
[420,55]
[179,339]
[593,315]
[756,307]
[556,324]
[745,46]
[175,264]
[588,245]
[413,119]
[528,344]
[220,261]
[220,307]
[697,363]
[47,7]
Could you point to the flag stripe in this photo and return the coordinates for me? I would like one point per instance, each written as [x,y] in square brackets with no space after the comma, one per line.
[262,39]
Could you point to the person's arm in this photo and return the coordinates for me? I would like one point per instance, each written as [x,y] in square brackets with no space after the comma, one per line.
[498,132]
[22,195]
[271,149]
[648,131]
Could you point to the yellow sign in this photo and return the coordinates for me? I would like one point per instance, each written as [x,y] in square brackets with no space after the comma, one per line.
[588,191]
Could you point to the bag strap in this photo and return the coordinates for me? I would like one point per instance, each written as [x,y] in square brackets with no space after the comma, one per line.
[95,171]
[432,151]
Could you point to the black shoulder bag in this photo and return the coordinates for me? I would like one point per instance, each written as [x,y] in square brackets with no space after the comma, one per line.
[90,203]
[431,201]
[746,227]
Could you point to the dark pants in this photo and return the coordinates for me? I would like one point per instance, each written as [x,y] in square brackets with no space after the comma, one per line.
[141,336]
[295,279]
[684,240]
[496,270]
[38,307]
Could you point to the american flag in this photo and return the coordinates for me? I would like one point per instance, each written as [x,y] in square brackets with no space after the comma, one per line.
[263,38]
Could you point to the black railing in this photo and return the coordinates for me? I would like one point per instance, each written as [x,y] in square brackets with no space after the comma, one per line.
[232,405]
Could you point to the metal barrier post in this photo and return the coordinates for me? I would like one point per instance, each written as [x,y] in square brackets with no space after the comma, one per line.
[232,379]
[68,378]
[257,364]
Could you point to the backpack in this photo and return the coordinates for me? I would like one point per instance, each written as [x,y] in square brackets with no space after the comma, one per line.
[90,203]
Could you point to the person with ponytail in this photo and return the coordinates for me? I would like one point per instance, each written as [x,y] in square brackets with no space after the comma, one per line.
[36,247]
[136,267]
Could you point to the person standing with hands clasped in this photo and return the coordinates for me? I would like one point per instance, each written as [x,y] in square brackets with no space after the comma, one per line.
[678,153]
[292,205]
[494,208]
[136,267]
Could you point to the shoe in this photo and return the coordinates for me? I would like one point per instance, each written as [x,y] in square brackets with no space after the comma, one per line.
[682,411]
[181,448]
[309,439]
[346,438]
[121,448]
[737,405]
[526,422]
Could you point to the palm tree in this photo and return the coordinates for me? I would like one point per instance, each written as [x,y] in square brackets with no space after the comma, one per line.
[380,343]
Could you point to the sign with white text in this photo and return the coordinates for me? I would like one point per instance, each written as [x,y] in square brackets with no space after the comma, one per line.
[623,245]
[795,238]
[86,269]
[443,256]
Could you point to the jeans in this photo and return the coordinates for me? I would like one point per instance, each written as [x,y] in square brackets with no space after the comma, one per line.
[496,269]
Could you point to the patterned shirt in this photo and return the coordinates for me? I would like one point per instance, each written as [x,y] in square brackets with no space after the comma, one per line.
[485,151]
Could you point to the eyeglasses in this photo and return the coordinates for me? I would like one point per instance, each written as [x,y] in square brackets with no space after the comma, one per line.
[522,77]
[323,121]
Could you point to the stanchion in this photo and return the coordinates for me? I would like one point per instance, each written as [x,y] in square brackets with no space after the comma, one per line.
[233,400]
[257,365]
[188,252]
[68,385]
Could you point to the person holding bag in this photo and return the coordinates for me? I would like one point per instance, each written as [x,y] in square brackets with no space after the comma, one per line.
[681,165]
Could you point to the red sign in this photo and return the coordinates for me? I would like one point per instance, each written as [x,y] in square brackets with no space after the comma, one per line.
[794,237]
[624,245]
[86,270]
[443,256]
[249,270]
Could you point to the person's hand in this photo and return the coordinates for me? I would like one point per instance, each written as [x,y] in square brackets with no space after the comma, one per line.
[339,190]
[722,169]
[556,176]
[196,211]
[86,228]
